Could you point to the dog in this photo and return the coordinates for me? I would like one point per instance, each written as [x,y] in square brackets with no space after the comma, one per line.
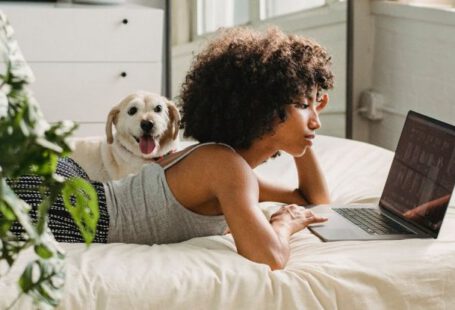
[147,127]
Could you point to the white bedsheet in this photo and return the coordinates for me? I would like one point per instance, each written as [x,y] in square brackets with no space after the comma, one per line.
[207,273]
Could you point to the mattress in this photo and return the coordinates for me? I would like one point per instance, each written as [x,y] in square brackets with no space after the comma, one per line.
[207,273]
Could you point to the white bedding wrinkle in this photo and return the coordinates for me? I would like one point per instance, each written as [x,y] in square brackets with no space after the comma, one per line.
[207,273]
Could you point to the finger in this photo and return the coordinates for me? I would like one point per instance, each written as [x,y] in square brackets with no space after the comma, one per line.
[291,213]
[274,215]
[315,219]
[308,213]
[291,206]
[278,213]
[321,219]
[317,216]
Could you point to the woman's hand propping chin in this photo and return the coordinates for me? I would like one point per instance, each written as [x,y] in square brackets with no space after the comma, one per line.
[295,218]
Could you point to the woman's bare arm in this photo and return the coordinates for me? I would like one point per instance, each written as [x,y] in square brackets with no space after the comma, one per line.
[312,187]
[237,190]
[312,183]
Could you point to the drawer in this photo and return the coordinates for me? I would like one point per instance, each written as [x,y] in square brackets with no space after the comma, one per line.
[87,33]
[85,92]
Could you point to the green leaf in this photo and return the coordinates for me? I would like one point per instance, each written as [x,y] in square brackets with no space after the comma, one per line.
[6,212]
[81,202]
[49,145]
[43,251]
[39,280]
[9,249]
[42,215]
[5,225]
[45,169]
[7,218]
[20,209]
[26,281]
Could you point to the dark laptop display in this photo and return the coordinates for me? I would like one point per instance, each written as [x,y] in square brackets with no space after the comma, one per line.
[422,175]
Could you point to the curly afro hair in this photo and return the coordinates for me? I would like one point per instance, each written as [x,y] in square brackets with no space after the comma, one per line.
[239,86]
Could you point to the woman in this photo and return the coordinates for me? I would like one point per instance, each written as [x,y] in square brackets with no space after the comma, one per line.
[247,96]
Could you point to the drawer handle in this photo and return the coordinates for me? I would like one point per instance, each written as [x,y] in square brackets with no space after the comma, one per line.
[125,21]
[123,74]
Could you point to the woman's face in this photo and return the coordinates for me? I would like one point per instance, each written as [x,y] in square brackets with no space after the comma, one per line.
[296,133]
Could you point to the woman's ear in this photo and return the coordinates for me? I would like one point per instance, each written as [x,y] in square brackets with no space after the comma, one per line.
[323,102]
[111,119]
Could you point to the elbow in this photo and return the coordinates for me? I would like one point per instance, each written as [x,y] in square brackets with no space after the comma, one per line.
[315,199]
[277,265]
[277,261]
[323,200]
[323,197]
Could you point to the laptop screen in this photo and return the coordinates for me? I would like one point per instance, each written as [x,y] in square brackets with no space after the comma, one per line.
[422,175]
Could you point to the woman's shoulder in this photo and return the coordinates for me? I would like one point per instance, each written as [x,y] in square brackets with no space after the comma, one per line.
[206,149]
[216,151]
[220,160]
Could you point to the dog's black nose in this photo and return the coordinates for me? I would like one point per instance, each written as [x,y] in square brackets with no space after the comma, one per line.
[146,126]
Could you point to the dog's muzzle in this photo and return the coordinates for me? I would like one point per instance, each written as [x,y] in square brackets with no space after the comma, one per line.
[146,126]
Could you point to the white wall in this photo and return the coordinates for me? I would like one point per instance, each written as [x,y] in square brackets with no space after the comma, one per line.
[413,66]
[327,25]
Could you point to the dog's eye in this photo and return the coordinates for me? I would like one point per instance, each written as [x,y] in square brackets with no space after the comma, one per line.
[132,111]
[158,109]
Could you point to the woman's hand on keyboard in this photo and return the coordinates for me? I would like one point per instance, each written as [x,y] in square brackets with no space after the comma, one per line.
[295,218]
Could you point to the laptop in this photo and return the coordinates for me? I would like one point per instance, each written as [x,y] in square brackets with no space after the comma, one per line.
[416,194]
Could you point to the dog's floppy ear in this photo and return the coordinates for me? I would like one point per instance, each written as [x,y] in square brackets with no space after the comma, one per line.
[111,119]
[174,119]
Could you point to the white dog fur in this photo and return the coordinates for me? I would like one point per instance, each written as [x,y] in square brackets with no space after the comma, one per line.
[147,128]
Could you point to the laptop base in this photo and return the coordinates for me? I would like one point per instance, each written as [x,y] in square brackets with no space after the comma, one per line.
[341,229]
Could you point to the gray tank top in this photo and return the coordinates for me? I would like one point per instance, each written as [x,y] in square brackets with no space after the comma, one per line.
[143,210]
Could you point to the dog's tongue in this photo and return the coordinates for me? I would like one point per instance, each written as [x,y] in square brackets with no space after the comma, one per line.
[146,144]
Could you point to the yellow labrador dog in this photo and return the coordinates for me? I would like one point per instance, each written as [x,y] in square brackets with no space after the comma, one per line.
[147,128]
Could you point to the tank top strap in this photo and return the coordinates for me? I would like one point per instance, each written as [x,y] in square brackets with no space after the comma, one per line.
[191,149]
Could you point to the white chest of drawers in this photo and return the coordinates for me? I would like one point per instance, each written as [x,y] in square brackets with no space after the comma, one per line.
[87,57]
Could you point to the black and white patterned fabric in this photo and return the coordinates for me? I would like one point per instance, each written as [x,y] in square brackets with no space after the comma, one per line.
[60,221]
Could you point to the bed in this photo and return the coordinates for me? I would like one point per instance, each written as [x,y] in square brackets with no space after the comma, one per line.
[207,273]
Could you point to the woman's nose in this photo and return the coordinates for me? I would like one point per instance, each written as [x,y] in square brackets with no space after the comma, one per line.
[315,122]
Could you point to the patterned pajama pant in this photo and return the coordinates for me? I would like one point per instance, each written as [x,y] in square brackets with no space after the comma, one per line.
[60,221]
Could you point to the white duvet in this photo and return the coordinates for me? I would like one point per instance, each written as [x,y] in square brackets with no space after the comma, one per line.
[207,273]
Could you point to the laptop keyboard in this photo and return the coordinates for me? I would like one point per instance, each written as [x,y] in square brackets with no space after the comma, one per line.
[371,221]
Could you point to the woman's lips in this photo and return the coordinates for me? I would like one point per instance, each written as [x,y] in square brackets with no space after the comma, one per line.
[308,138]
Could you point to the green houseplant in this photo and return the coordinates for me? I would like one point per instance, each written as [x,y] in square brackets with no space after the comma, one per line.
[30,145]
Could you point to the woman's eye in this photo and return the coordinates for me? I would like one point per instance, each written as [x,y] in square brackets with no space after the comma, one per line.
[132,111]
[302,106]
[158,109]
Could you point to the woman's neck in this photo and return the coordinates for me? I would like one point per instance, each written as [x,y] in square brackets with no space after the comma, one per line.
[259,152]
